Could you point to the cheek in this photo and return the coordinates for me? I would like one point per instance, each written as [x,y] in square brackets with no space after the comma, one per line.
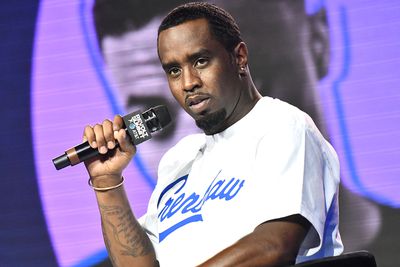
[226,82]
[177,94]
[214,78]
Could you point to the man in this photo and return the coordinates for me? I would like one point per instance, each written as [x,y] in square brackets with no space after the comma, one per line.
[244,192]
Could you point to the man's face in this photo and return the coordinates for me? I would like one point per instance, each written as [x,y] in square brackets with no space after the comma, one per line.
[202,75]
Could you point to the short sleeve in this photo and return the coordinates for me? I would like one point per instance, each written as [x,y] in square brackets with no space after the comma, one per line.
[292,168]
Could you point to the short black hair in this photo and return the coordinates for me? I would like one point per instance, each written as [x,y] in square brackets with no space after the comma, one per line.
[221,23]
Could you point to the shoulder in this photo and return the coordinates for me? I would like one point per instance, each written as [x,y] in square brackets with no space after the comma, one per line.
[286,125]
[278,116]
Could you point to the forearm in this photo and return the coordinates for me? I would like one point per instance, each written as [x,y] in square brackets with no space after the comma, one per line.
[273,243]
[127,244]
[249,252]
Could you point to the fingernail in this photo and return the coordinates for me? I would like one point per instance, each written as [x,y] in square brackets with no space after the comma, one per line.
[103,150]
[110,145]
[94,144]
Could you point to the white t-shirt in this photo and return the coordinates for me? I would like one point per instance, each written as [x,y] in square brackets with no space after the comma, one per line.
[213,190]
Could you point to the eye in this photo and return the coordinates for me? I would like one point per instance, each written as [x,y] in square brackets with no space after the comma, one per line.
[174,72]
[201,62]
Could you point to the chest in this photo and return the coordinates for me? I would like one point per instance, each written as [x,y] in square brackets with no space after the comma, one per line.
[209,193]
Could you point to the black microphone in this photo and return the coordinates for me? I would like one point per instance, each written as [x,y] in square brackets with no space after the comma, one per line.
[139,127]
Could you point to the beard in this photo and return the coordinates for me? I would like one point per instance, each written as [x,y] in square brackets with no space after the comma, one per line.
[212,122]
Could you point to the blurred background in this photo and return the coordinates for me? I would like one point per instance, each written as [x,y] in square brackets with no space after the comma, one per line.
[68,63]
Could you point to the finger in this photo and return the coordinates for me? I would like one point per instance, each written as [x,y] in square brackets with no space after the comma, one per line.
[88,135]
[118,123]
[124,141]
[108,134]
[100,139]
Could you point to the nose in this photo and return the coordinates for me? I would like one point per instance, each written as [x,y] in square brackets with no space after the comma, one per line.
[191,79]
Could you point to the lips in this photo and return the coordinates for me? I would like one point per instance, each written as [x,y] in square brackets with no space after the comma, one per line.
[197,103]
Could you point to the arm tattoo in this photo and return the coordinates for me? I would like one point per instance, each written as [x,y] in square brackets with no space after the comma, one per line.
[108,245]
[125,230]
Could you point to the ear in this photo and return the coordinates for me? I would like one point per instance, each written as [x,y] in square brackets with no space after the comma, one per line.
[319,41]
[241,56]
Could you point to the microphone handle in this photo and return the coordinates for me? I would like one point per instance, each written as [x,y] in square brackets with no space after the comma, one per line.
[84,151]
[77,154]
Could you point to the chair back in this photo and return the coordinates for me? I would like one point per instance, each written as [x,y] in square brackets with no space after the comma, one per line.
[350,259]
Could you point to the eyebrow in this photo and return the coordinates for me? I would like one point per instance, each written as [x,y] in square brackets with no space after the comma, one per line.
[201,53]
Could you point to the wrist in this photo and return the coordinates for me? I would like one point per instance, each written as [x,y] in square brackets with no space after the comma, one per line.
[105,188]
[105,180]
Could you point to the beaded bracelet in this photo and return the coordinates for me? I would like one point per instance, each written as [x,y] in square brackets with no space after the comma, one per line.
[102,189]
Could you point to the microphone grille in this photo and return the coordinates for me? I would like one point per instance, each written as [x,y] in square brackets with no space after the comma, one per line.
[162,114]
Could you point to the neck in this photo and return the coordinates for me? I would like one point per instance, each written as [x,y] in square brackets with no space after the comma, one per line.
[247,99]
[249,96]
